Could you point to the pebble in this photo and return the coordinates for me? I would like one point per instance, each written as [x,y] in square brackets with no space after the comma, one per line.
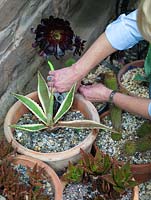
[135,87]
[44,141]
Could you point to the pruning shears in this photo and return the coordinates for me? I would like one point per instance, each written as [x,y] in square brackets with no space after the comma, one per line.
[58,96]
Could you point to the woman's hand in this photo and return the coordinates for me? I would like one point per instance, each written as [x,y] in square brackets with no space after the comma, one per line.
[63,79]
[95,93]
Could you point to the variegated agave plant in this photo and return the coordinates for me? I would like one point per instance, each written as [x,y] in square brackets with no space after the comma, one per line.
[45,112]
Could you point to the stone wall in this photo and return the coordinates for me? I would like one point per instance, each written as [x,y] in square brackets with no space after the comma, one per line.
[18,60]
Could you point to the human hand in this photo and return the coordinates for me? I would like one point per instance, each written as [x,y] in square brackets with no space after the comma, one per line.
[63,79]
[95,92]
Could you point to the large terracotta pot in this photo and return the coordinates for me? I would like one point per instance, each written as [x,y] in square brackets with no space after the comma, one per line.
[50,173]
[141,172]
[59,160]
[124,69]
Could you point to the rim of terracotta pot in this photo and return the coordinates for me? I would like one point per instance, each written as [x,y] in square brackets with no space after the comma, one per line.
[136,193]
[56,156]
[124,69]
[141,172]
[50,173]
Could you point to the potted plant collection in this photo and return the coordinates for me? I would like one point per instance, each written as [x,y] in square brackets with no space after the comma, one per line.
[38,116]
[44,96]
[23,177]
[107,177]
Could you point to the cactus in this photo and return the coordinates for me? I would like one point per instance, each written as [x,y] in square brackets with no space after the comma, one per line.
[144,129]
[140,145]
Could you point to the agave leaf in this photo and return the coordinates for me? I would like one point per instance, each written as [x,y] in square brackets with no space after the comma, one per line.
[66,104]
[50,110]
[29,127]
[43,93]
[84,124]
[147,62]
[33,107]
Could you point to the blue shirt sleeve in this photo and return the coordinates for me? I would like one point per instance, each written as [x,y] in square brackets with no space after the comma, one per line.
[123,33]
[149,109]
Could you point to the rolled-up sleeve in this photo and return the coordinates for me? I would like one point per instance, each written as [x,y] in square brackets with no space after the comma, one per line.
[149,109]
[123,33]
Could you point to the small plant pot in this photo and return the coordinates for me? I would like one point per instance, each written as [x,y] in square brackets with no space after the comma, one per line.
[124,69]
[141,172]
[58,161]
[30,162]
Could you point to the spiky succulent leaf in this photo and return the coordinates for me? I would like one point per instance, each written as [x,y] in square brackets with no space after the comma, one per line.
[33,107]
[147,62]
[107,164]
[84,124]
[66,104]
[108,178]
[74,173]
[43,94]
[29,127]
[50,110]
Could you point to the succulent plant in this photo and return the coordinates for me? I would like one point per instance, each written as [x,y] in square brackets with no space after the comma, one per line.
[96,165]
[107,176]
[115,112]
[144,129]
[139,145]
[54,36]
[74,172]
[45,113]
[6,148]
[11,185]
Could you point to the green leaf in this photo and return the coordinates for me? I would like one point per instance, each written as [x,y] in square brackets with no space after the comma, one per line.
[43,93]
[33,107]
[70,62]
[108,178]
[84,124]
[66,104]
[139,77]
[29,127]
[50,111]
[147,64]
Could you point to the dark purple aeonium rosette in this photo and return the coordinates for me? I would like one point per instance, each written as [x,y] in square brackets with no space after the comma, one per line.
[54,36]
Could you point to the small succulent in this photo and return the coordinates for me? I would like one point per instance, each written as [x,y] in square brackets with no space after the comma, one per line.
[74,172]
[96,165]
[54,36]
[139,145]
[107,176]
[45,113]
[12,187]
[5,150]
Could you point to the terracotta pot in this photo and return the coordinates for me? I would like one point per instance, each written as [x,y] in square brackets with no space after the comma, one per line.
[141,172]
[124,69]
[135,191]
[59,160]
[50,173]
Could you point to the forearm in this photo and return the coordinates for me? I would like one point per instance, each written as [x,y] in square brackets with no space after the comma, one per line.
[131,104]
[100,49]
